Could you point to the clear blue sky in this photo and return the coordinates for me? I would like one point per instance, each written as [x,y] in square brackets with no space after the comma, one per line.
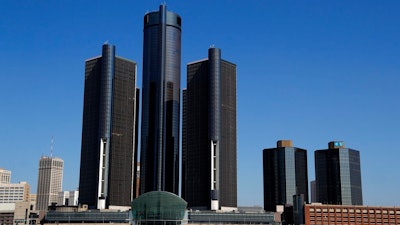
[310,71]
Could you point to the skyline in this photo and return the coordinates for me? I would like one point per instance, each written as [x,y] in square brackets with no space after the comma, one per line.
[312,73]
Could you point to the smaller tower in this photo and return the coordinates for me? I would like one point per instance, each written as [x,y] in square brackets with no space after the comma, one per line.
[285,174]
[338,175]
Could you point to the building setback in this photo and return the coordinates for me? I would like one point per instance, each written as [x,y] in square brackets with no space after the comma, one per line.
[285,174]
[108,152]
[209,134]
[338,175]
[49,181]
[159,163]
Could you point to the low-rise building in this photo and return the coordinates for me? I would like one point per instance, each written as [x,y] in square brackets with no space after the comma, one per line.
[319,214]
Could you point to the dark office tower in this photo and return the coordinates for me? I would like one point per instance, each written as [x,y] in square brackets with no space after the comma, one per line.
[159,163]
[285,174]
[338,175]
[108,153]
[209,176]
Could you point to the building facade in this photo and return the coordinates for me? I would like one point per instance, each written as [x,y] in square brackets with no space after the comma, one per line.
[159,163]
[12,193]
[5,176]
[285,174]
[68,198]
[338,175]
[318,214]
[49,181]
[108,152]
[209,149]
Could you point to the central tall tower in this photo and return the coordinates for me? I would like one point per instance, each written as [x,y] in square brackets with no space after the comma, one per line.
[160,102]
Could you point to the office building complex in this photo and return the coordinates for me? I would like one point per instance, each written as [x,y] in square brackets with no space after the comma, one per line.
[285,174]
[209,173]
[159,163]
[5,176]
[12,193]
[49,181]
[338,175]
[108,153]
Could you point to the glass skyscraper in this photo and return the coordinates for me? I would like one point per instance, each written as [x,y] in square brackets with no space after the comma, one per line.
[108,153]
[209,134]
[338,175]
[159,157]
[285,174]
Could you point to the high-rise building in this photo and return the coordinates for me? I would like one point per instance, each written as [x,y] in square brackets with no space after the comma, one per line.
[12,193]
[49,181]
[108,152]
[159,163]
[209,167]
[338,175]
[5,176]
[285,174]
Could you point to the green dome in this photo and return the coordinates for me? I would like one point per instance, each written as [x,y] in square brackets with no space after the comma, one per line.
[158,206]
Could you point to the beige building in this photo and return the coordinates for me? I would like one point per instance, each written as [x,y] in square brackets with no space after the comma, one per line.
[12,193]
[5,176]
[49,181]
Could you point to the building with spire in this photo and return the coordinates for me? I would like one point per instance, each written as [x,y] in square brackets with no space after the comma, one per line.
[49,181]
[159,163]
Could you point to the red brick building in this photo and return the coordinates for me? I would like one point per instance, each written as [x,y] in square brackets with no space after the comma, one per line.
[318,214]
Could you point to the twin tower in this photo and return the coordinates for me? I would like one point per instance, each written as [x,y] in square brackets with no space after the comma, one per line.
[109,174]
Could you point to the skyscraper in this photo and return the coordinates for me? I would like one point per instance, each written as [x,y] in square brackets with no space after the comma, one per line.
[49,181]
[209,134]
[285,174]
[108,153]
[338,175]
[159,163]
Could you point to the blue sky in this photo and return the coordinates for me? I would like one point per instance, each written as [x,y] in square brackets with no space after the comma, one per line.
[309,71]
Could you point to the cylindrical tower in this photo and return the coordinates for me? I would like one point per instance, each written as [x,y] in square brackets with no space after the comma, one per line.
[160,101]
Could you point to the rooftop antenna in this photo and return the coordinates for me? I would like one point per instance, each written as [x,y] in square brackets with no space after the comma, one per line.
[51,147]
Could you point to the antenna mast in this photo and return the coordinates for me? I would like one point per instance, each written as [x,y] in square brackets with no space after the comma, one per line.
[51,147]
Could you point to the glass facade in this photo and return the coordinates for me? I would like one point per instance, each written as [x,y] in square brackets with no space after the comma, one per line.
[108,151]
[209,133]
[158,207]
[161,102]
[285,175]
[338,176]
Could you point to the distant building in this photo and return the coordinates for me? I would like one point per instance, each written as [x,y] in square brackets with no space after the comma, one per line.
[68,198]
[338,175]
[313,187]
[209,160]
[5,176]
[285,174]
[12,193]
[108,151]
[159,156]
[351,215]
[49,181]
